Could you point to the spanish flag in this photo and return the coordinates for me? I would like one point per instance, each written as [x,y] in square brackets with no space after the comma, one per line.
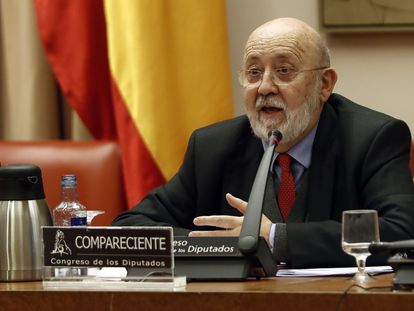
[143,72]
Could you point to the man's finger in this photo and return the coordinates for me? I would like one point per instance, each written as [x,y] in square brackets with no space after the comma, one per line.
[223,221]
[237,203]
[214,233]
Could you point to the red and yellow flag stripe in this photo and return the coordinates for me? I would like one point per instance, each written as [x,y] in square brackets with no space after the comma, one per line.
[149,72]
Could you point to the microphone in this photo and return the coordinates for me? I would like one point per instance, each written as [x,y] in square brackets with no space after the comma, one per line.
[232,258]
[249,234]
[392,247]
[401,260]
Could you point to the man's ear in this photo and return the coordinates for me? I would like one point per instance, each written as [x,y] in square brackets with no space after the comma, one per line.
[328,79]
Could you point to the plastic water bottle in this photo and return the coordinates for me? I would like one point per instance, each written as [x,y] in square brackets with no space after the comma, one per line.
[69,212]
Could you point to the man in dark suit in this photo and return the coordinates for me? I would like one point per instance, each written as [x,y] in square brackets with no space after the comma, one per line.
[343,156]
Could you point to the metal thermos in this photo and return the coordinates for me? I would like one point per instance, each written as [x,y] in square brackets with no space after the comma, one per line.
[23,210]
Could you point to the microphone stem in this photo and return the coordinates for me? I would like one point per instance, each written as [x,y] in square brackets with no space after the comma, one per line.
[250,231]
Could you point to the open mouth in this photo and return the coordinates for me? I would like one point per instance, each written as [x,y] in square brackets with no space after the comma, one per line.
[270,109]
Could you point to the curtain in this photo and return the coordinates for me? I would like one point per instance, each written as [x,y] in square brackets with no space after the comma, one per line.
[31,104]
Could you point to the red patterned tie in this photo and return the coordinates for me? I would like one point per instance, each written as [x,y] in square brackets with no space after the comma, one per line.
[286,195]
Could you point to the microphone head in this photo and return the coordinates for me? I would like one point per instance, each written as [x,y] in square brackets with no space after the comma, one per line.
[275,136]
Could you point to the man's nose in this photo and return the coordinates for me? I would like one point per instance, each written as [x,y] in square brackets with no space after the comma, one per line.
[267,85]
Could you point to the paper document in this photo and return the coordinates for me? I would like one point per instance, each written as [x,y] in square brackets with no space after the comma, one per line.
[109,272]
[122,272]
[332,271]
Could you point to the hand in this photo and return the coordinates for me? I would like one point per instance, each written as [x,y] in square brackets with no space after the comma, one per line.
[230,224]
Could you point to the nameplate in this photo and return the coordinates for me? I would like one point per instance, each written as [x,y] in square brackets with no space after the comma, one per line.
[206,246]
[128,247]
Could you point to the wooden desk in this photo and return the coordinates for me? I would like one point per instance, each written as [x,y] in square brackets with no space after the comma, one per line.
[282,293]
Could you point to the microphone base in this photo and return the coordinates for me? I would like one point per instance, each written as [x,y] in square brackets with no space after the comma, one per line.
[219,258]
[404,273]
[213,269]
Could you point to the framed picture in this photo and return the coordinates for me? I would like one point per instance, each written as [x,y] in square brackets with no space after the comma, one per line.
[367,15]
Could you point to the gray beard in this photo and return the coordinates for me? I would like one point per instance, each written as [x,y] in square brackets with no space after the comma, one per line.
[296,121]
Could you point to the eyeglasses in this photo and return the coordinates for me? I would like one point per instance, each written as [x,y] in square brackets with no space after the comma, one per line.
[280,76]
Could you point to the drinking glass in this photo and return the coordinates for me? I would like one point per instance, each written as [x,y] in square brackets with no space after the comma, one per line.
[359,229]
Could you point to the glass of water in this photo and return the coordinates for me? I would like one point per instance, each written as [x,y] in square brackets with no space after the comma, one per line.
[359,229]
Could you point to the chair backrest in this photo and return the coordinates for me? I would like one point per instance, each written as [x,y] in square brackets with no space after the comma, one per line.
[96,164]
[412,159]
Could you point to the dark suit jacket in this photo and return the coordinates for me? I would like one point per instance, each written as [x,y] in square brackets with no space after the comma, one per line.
[359,161]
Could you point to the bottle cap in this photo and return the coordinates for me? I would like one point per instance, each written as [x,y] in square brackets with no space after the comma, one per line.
[69,181]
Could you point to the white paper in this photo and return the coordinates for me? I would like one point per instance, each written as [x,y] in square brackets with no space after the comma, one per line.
[331,271]
[121,272]
[109,272]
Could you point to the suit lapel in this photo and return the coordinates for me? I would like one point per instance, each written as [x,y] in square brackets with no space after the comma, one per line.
[241,167]
[322,169]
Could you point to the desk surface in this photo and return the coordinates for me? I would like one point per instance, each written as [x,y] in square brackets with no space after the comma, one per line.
[281,293]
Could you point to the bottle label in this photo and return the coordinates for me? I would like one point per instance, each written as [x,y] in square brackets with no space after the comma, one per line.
[78,221]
